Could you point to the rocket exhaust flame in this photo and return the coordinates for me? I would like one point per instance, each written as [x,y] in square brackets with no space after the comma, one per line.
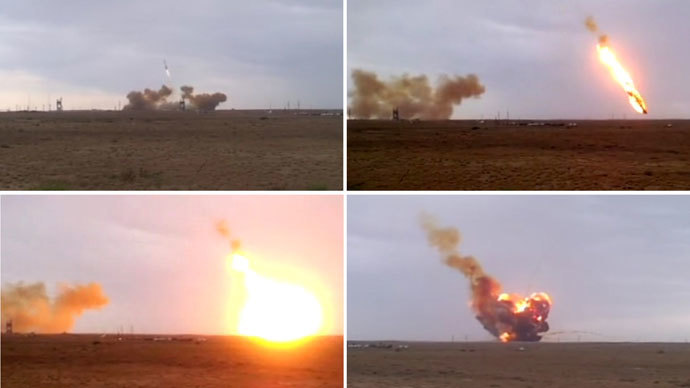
[508,317]
[618,72]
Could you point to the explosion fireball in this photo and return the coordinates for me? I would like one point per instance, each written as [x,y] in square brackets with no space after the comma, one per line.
[508,317]
[618,72]
[273,311]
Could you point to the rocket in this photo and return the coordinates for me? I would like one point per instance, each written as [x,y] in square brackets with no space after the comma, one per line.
[167,71]
[640,102]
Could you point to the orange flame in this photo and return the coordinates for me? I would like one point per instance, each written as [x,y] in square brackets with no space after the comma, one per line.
[274,311]
[533,308]
[505,337]
[621,76]
[521,304]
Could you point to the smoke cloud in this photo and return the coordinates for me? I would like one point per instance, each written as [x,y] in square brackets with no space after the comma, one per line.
[592,26]
[159,100]
[30,308]
[499,316]
[413,96]
[148,99]
[222,228]
[203,102]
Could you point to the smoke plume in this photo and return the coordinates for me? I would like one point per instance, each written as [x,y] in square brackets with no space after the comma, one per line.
[413,96]
[594,28]
[30,308]
[159,100]
[508,317]
[148,99]
[203,102]
[222,228]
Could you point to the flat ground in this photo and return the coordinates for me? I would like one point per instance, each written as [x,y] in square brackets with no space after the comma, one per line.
[450,155]
[427,365]
[92,361]
[224,150]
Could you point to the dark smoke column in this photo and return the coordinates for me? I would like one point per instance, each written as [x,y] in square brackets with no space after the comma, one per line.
[508,317]
[413,96]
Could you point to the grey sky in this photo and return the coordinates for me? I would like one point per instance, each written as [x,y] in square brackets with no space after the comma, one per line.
[93,53]
[160,259]
[616,266]
[535,57]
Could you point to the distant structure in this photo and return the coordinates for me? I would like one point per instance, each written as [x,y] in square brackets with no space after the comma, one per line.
[8,327]
[58,104]
[183,105]
[396,114]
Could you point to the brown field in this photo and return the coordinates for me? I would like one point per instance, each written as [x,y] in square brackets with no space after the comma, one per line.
[137,361]
[427,365]
[223,150]
[450,155]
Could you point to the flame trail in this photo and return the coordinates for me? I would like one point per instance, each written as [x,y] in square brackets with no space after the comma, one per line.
[30,308]
[508,317]
[608,58]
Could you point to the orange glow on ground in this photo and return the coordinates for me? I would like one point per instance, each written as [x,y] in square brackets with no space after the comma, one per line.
[276,312]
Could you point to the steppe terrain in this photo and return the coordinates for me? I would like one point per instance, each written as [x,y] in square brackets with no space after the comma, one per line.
[492,155]
[157,150]
[576,365]
[70,360]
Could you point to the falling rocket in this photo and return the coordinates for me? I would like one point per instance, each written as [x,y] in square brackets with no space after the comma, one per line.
[618,72]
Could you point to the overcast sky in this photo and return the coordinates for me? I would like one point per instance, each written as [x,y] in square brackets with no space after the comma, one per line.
[615,266]
[93,53]
[160,260]
[535,57]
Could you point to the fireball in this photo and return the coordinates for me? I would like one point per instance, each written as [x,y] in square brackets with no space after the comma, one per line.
[525,318]
[275,311]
